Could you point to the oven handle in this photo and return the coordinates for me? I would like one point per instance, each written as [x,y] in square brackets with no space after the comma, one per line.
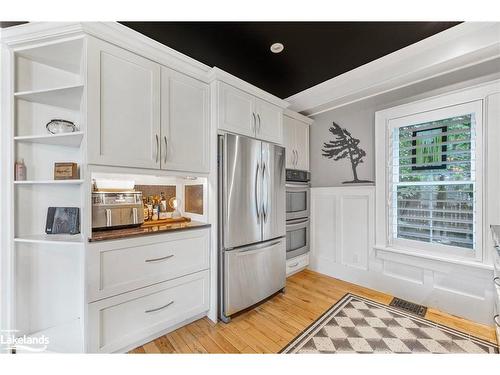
[298,185]
[297,221]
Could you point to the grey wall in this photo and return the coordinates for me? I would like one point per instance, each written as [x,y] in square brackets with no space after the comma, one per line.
[359,119]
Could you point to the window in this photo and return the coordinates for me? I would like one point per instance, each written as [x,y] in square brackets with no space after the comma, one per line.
[433,186]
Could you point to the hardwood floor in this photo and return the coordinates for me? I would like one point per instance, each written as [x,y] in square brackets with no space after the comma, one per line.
[272,325]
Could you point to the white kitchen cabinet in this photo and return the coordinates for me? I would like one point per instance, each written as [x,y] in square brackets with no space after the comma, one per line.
[269,122]
[296,140]
[129,320]
[302,146]
[289,142]
[236,110]
[245,114]
[184,122]
[123,107]
[120,266]
[297,264]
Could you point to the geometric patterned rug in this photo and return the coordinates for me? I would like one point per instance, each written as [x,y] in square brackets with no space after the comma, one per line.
[359,325]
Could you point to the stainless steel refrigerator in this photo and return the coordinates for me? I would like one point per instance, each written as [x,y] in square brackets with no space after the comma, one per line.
[252,247]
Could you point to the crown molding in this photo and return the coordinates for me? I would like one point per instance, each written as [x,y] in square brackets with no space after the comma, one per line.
[22,36]
[464,45]
[297,116]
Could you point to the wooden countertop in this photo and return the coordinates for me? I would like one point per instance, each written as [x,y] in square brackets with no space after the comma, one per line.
[116,234]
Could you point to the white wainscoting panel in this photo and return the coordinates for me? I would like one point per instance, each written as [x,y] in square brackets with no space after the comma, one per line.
[342,246]
[354,222]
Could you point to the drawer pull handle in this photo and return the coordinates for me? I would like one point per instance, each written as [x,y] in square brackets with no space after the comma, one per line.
[293,265]
[159,308]
[495,318]
[159,259]
[496,280]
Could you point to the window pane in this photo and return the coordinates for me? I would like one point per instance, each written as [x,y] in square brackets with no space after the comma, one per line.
[435,151]
[437,213]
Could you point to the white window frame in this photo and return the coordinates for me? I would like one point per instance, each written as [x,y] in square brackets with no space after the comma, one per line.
[440,107]
[475,108]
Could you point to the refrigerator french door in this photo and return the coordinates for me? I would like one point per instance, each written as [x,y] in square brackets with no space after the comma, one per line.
[252,248]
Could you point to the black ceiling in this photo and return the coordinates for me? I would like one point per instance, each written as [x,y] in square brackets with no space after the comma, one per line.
[314,51]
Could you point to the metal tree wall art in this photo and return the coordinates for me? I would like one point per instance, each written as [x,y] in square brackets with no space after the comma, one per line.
[344,145]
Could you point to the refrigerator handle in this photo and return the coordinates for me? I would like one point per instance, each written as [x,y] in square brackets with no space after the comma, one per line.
[265,202]
[257,208]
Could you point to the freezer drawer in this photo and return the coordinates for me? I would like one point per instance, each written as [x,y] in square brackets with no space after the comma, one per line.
[252,274]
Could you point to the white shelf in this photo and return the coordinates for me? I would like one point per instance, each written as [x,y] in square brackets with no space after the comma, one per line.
[64,338]
[64,139]
[59,239]
[66,55]
[66,96]
[48,182]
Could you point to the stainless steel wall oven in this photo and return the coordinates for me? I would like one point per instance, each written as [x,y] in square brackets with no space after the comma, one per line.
[297,212]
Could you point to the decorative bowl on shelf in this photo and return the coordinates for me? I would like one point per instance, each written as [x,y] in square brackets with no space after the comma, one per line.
[58,126]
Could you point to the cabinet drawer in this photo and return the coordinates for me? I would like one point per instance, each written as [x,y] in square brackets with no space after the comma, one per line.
[124,265]
[297,264]
[117,323]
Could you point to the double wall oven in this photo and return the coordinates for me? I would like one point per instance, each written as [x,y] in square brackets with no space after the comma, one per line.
[297,213]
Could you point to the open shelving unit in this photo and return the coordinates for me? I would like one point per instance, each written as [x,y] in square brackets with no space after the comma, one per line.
[49,182]
[48,270]
[64,139]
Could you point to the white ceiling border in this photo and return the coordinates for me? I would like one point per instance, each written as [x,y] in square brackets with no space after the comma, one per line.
[464,45]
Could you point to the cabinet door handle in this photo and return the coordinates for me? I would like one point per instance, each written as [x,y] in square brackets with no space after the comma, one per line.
[159,259]
[166,148]
[293,265]
[297,160]
[497,322]
[496,280]
[159,308]
[254,123]
[258,116]
[157,148]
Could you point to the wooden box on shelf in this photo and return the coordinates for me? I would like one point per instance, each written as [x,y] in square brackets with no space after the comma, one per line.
[66,171]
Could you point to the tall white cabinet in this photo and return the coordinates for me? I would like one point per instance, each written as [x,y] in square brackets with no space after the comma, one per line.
[144,115]
[296,140]
[123,96]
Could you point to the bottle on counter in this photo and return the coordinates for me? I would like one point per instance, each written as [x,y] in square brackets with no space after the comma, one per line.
[150,208]
[163,214]
[145,207]
[20,171]
[156,206]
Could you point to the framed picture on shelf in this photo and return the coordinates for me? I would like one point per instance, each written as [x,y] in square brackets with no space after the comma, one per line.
[63,220]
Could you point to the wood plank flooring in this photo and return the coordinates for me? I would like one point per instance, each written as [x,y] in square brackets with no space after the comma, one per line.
[272,325]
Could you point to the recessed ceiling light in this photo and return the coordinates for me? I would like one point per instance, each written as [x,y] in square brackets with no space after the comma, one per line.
[277,47]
